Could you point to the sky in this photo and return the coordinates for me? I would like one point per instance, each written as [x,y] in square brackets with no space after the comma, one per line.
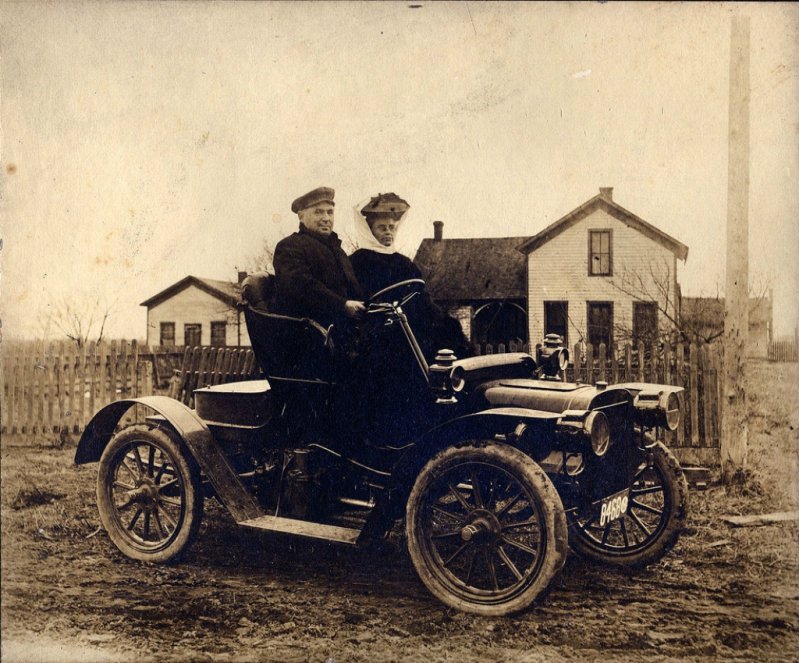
[142,142]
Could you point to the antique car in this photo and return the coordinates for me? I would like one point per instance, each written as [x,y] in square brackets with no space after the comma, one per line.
[497,466]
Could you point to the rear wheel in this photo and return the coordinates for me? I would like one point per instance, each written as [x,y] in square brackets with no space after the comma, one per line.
[486,529]
[149,495]
[650,526]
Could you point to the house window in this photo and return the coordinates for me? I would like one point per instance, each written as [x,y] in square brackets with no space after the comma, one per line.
[556,319]
[645,322]
[167,333]
[192,334]
[600,252]
[218,333]
[600,323]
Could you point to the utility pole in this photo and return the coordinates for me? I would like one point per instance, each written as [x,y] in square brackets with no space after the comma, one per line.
[734,432]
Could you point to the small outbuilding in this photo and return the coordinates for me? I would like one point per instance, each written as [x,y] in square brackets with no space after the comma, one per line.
[480,281]
[196,311]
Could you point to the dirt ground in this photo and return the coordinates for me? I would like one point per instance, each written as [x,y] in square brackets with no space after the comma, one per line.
[244,595]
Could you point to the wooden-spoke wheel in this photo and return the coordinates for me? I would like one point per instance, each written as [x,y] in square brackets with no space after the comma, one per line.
[651,525]
[486,529]
[148,495]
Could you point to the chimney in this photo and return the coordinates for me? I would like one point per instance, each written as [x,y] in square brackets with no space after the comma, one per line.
[606,192]
[438,230]
[242,276]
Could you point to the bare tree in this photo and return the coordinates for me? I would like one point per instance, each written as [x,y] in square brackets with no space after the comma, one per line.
[263,260]
[693,318]
[78,322]
[655,284]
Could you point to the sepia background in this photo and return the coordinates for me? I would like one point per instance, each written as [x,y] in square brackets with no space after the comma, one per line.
[142,142]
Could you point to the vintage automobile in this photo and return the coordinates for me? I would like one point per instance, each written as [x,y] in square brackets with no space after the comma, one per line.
[498,468]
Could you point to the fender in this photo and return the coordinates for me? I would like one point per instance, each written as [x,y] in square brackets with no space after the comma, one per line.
[478,425]
[194,434]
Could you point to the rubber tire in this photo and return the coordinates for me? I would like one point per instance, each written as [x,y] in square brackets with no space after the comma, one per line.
[522,467]
[189,474]
[676,487]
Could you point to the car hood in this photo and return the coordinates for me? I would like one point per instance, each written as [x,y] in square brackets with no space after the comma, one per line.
[547,395]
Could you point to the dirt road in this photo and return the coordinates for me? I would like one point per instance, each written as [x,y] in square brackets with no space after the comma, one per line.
[68,595]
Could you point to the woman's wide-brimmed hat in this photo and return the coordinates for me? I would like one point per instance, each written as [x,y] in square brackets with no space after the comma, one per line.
[385,204]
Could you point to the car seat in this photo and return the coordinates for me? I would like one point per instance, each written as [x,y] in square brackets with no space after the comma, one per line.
[286,348]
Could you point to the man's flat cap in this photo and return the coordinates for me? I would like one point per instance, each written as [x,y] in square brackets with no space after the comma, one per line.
[322,194]
[389,204]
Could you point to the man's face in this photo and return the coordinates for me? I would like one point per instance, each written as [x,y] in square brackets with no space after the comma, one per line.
[384,229]
[318,218]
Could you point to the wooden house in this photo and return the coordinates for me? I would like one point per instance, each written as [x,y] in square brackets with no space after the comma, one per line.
[196,311]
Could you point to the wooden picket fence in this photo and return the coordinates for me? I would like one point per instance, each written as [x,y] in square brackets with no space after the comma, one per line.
[695,367]
[208,366]
[55,388]
[783,351]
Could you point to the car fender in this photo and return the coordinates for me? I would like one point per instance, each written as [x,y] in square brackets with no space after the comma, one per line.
[483,425]
[194,434]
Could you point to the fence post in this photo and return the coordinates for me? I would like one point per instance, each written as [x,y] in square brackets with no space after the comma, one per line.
[102,395]
[719,363]
[653,369]
[92,378]
[694,386]
[578,362]
[81,418]
[39,383]
[589,364]
[224,369]
[216,377]
[708,381]
[134,362]
[193,376]
[202,369]
[10,364]
[614,365]
[628,363]
[148,377]
[113,359]
[249,360]
[679,380]
[50,363]
[602,360]
[641,361]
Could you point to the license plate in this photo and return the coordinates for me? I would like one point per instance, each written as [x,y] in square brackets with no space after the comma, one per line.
[613,507]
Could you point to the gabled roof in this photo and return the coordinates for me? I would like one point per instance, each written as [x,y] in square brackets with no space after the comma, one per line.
[606,203]
[473,269]
[223,290]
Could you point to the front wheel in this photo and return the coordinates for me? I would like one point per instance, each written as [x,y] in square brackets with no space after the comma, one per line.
[149,495]
[656,510]
[486,529]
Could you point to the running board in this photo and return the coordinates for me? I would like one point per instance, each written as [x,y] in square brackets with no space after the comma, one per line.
[304,528]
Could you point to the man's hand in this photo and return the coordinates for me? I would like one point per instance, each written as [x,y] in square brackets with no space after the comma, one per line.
[353,308]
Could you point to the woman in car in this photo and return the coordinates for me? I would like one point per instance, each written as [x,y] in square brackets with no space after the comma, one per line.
[377,264]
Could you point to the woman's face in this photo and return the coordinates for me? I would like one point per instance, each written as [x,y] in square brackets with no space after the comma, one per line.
[384,229]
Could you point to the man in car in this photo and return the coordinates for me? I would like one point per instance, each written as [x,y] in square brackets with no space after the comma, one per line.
[313,276]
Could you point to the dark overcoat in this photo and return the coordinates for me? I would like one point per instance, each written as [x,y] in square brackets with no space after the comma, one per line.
[313,277]
[434,327]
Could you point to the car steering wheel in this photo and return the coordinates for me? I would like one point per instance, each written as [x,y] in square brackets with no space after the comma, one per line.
[397,294]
